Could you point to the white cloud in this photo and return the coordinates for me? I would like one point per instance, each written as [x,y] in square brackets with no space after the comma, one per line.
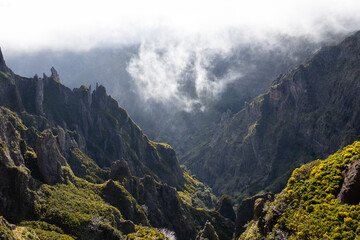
[178,39]
[175,72]
[30,25]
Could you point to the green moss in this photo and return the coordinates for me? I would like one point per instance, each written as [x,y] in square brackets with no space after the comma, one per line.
[30,153]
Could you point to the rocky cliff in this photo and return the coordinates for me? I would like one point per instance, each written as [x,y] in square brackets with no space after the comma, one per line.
[103,130]
[307,113]
[75,166]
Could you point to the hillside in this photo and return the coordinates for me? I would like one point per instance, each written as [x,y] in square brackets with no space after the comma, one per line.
[320,201]
[307,113]
[75,166]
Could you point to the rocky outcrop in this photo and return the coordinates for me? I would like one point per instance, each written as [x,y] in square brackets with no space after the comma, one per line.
[52,166]
[3,67]
[127,227]
[225,207]
[349,192]
[39,96]
[248,209]
[307,113]
[119,197]
[163,206]
[208,233]
[120,170]
[54,74]
[259,208]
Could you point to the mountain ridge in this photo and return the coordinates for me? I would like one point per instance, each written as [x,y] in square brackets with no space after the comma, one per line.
[287,126]
[74,161]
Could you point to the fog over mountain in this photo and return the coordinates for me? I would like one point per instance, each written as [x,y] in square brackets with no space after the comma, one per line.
[176,67]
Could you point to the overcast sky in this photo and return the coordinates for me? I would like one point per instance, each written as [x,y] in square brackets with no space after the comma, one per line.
[82,24]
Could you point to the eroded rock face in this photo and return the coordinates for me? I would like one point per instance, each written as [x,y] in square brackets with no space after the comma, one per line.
[120,170]
[350,189]
[248,209]
[208,233]
[3,67]
[225,207]
[10,140]
[52,165]
[258,208]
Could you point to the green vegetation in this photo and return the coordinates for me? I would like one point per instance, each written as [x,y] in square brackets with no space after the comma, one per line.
[116,194]
[196,193]
[86,168]
[59,192]
[5,230]
[145,233]
[310,209]
[74,208]
[51,235]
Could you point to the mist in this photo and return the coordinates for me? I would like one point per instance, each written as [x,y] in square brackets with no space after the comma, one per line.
[170,60]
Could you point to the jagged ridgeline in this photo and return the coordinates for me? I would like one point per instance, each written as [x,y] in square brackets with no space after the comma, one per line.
[73,165]
[308,113]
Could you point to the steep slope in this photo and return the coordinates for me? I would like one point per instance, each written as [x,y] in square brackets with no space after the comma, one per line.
[74,165]
[318,202]
[102,129]
[308,113]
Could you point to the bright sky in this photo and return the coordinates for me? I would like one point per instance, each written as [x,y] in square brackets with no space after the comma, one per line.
[82,24]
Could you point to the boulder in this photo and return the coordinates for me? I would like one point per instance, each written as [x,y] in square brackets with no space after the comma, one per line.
[248,209]
[225,208]
[349,192]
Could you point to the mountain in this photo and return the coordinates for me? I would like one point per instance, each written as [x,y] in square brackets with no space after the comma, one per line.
[254,64]
[307,113]
[320,201]
[74,165]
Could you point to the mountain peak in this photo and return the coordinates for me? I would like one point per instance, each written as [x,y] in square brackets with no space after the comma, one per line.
[54,74]
[3,67]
